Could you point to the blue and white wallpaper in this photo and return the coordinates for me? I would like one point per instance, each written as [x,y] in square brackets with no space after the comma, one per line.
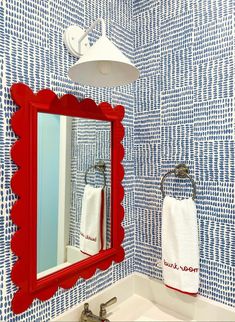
[32,51]
[180,110]
[184,112]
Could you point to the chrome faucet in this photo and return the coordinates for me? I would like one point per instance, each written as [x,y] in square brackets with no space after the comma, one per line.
[88,316]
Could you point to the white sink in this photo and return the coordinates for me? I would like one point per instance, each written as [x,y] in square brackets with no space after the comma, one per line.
[137,308]
[141,298]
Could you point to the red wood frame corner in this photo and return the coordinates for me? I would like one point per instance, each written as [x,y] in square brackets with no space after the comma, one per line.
[24,184]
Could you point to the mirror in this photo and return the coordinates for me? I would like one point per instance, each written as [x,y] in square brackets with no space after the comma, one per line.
[65,151]
[73,218]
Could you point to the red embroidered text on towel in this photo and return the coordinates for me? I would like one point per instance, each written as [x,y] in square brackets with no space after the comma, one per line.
[183,268]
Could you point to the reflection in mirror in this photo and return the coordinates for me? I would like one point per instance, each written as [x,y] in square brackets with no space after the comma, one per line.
[73,218]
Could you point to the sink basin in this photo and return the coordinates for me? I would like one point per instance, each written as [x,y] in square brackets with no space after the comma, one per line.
[141,298]
[137,308]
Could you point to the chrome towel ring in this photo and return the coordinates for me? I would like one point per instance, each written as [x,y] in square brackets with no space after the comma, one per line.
[180,171]
[100,166]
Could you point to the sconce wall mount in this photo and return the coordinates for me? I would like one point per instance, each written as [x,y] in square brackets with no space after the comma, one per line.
[71,39]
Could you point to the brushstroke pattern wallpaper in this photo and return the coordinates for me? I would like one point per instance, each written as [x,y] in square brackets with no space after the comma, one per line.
[184,113]
[180,110]
[32,52]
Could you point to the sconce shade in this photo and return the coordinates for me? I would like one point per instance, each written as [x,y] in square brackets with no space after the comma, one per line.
[103,65]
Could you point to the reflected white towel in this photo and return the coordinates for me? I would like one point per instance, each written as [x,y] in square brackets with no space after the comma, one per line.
[93,221]
[180,248]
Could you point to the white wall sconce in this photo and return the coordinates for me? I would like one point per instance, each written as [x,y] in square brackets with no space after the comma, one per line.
[102,64]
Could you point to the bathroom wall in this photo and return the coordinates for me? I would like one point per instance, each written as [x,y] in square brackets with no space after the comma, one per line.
[183,108]
[32,52]
[184,112]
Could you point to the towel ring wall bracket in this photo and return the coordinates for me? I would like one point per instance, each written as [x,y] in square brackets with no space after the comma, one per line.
[180,171]
[100,166]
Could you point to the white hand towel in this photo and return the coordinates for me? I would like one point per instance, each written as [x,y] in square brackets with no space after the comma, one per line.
[93,221]
[180,247]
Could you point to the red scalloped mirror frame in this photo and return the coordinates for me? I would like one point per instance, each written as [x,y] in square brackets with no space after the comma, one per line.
[24,184]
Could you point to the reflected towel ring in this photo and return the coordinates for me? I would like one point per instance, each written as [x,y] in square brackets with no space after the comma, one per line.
[100,166]
[180,171]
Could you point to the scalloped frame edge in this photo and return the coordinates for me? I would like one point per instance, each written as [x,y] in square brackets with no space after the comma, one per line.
[23,213]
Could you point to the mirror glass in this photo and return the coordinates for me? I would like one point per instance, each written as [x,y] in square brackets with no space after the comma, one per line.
[73,217]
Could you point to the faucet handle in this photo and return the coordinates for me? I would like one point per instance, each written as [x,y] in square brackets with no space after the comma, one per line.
[113,300]
[103,306]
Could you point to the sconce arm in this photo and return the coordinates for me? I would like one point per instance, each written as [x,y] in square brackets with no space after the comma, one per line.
[103,26]
[76,40]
